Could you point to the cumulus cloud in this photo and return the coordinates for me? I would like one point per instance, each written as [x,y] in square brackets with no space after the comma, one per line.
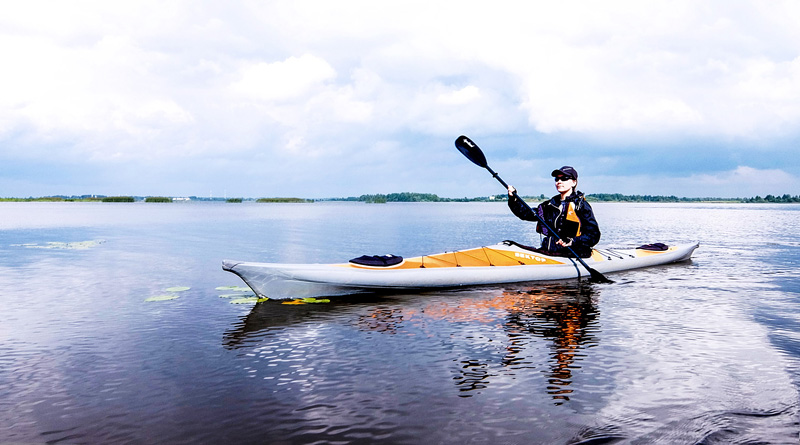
[658,67]
[462,96]
[92,98]
[283,80]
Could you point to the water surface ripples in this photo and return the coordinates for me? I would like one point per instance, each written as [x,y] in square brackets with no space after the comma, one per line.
[700,352]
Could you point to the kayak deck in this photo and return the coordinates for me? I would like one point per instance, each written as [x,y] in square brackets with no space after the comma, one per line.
[478,257]
[506,262]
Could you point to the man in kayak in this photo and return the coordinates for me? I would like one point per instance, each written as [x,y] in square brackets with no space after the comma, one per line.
[567,213]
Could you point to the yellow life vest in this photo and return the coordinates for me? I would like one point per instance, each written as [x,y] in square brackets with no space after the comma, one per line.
[572,224]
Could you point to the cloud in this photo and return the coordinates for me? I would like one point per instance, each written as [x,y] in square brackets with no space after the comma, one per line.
[761,181]
[619,86]
[462,96]
[656,68]
[740,182]
[283,80]
[101,99]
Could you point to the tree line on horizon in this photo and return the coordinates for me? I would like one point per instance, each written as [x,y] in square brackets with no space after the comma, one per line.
[431,197]
[595,197]
[786,198]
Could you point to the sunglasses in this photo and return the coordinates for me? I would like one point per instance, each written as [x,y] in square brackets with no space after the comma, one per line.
[563,178]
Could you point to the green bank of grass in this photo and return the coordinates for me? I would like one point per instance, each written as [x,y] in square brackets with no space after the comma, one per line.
[157,199]
[119,199]
[50,199]
[43,199]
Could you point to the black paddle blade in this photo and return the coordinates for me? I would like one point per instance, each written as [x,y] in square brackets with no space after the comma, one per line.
[471,151]
[597,277]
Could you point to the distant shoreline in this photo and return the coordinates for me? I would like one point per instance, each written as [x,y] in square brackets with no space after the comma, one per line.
[411,197]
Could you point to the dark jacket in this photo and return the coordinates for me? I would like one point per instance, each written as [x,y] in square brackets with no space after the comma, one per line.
[584,235]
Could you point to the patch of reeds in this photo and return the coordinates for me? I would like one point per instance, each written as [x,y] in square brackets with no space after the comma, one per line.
[157,199]
[42,199]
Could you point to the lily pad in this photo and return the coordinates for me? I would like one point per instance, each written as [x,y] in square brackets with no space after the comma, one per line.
[244,300]
[314,300]
[79,245]
[177,289]
[162,298]
[234,288]
[236,295]
[307,301]
[248,300]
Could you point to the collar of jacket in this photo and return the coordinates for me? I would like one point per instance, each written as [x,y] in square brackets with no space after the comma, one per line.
[576,197]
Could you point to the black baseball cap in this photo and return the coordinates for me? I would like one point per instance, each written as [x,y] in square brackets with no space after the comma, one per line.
[565,171]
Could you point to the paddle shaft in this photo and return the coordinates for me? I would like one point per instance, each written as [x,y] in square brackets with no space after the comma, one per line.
[496,176]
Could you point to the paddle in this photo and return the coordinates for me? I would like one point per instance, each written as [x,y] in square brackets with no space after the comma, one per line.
[474,154]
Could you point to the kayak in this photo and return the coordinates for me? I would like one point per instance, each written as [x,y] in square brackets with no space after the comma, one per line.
[503,263]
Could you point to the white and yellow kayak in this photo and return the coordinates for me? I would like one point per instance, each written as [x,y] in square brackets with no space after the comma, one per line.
[506,262]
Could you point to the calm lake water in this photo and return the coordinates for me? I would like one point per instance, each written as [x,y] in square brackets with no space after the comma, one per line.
[706,351]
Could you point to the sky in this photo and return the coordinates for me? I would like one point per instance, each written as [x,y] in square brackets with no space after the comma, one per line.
[322,99]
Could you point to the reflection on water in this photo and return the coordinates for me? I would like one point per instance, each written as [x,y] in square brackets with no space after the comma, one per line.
[564,316]
[382,319]
[561,314]
[272,315]
[566,319]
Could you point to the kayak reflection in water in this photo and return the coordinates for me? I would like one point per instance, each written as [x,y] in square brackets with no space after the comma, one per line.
[568,319]
[567,213]
[564,316]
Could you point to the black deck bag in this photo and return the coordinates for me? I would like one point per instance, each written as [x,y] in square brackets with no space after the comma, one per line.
[377,260]
[654,246]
